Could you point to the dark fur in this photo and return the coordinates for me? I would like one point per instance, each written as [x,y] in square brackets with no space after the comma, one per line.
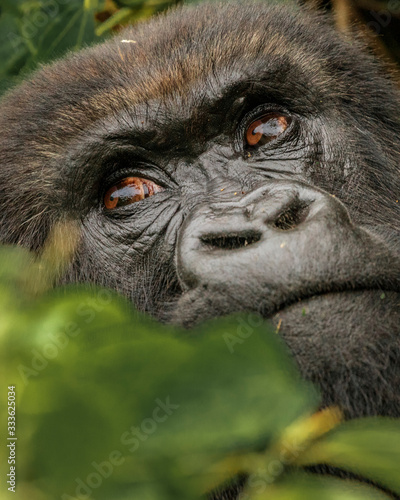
[174,93]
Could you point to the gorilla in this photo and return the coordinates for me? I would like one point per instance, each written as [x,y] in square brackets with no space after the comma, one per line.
[222,158]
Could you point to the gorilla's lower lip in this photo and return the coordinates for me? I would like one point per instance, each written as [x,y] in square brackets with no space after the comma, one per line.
[341,310]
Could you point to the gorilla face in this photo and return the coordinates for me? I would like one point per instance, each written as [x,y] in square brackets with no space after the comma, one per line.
[221,159]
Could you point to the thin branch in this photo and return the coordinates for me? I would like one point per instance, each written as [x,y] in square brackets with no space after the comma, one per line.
[345,14]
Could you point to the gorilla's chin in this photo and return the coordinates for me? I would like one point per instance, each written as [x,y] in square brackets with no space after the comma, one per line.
[342,342]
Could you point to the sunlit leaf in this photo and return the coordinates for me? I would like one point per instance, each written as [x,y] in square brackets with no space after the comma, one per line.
[369,447]
[300,487]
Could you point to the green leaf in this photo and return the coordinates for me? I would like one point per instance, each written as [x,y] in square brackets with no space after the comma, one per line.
[100,384]
[301,487]
[13,49]
[119,17]
[368,447]
[33,32]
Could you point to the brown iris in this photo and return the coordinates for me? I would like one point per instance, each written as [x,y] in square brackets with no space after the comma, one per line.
[129,190]
[266,129]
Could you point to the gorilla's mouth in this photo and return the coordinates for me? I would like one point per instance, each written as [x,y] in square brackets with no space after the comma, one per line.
[332,295]
[340,311]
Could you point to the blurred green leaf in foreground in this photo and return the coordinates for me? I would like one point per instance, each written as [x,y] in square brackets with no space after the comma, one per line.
[111,404]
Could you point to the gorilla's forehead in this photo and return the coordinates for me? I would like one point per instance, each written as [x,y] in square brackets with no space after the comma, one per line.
[197,54]
[190,55]
[189,65]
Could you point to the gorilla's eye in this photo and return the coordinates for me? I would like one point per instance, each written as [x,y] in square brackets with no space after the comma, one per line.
[266,128]
[130,190]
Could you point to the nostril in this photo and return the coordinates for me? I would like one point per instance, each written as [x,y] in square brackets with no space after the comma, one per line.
[292,216]
[230,241]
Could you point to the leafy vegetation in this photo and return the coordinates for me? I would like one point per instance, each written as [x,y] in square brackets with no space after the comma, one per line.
[111,404]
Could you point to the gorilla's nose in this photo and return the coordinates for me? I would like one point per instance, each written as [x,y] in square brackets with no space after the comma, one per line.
[280,241]
[278,229]
[232,226]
